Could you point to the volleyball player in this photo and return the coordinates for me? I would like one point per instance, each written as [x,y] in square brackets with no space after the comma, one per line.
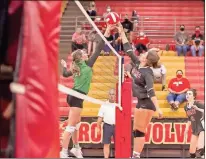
[195,113]
[147,101]
[81,70]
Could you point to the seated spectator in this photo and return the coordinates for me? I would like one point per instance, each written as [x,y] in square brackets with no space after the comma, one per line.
[108,10]
[141,42]
[177,87]
[92,42]
[197,41]
[159,72]
[135,20]
[78,40]
[127,26]
[181,39]
[91,12]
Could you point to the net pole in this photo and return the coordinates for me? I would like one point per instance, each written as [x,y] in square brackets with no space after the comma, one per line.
[123,122]
[109,45]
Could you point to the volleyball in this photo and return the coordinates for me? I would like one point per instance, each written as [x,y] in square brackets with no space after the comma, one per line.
[112,18]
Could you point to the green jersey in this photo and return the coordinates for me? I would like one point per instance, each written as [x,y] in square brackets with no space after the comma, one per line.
[82,82]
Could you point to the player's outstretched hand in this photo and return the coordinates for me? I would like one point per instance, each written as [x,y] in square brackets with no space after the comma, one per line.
[63,63]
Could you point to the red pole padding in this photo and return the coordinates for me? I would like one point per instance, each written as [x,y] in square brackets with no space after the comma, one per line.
[37,117]
[123,123]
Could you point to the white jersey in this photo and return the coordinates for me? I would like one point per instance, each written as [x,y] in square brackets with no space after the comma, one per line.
[158,72]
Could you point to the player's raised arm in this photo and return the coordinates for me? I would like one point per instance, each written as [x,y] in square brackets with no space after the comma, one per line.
[126,45]
[99,48]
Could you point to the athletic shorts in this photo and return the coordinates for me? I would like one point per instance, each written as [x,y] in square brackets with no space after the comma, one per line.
[146,103]
[75,102]
[108,132]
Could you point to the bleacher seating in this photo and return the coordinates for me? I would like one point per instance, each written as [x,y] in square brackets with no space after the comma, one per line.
[160,19]
[196,77]
[159,24]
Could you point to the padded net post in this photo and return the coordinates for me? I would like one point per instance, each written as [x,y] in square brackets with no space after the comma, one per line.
[123,122]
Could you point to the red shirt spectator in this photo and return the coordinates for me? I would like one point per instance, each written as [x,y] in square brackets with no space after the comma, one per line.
[141,40]
[177,87]
[179,84]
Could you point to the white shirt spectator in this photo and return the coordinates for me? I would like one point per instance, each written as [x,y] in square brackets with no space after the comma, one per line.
[158,72]
[107,112]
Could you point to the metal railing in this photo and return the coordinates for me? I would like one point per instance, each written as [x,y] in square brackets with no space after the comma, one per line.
[160,26]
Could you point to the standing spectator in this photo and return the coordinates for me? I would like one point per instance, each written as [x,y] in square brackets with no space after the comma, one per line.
[116,40]
[197,41]
[127,26]
[108,10]
[181,39]
[135,20]
[107,115]
[91,12]
[177,87]
[107,50]
[159,72]
[78,40]
[141,42]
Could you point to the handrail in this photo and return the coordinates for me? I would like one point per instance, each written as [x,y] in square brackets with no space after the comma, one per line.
[145,20]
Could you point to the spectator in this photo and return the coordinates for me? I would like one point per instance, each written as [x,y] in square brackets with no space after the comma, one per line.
[197,41]
[108,10]
[159,72]
[107,115]
[181,39]
[177,87]
[107,50]
[78,40]
[127,26]
[91,12]
[116,40]
[92,42]
[135,20]
[141,42]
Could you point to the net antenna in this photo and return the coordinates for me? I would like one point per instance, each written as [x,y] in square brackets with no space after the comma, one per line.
[120,58]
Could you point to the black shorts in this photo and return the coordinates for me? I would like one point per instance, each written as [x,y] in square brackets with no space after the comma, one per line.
[74,101]
[108,133]
[146,103]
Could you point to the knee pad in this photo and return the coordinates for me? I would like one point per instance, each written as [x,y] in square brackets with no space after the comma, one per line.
[201,151]
[138,133]
[192,155]
[78,126]
[70,129]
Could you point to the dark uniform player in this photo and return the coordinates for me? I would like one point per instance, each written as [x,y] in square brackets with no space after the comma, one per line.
[195,113]
[147,101]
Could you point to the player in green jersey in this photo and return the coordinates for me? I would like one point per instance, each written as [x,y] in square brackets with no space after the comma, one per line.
[81,70]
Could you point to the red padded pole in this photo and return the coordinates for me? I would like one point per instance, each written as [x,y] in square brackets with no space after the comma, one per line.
[37,117]
[123,122]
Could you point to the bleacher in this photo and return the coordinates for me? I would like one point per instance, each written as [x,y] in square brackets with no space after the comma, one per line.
[160,20]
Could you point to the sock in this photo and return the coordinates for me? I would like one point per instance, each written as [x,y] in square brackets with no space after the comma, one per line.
[136,154]
[76,145]
[65,151]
